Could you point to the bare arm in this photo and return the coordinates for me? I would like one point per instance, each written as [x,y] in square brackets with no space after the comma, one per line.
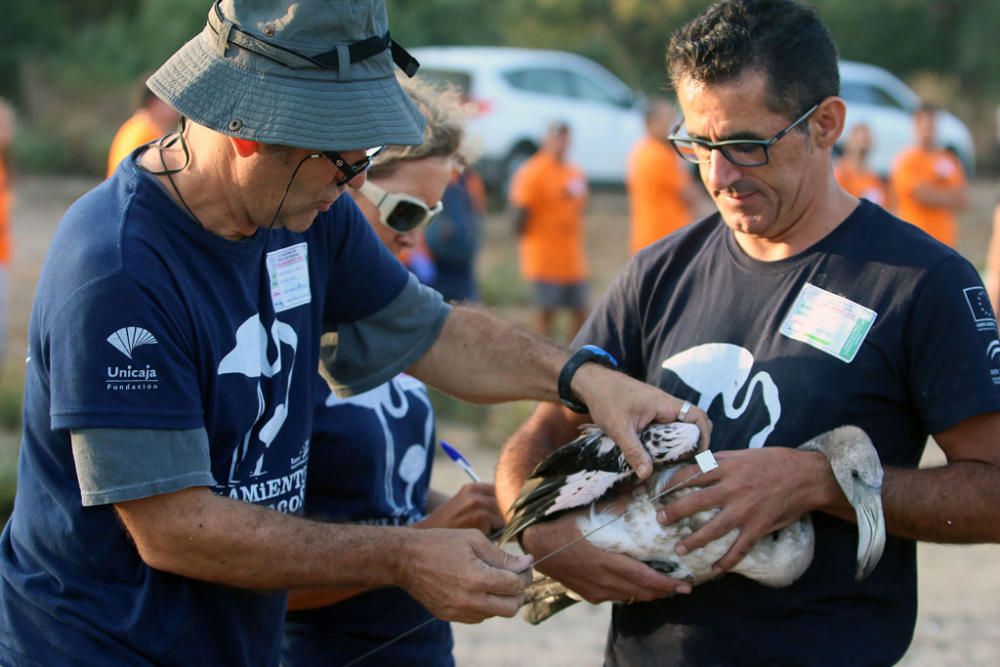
[957,503]
[457,575]
[520,216]
[953,197]
[474,506]
[480,358]
[597,575]
[993,262]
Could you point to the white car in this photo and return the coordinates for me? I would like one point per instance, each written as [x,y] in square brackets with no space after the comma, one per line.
[886,104]
[518,92]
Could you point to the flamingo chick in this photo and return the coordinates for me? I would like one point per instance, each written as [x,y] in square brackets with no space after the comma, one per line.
[777,560]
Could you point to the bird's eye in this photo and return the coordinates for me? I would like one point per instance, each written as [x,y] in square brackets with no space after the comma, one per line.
[855,474]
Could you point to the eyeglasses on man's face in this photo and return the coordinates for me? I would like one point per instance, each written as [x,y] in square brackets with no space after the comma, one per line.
[398,211]
[741,152]
[350,170]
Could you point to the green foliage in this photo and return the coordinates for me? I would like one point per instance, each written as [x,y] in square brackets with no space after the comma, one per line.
[10,408]
[84,54]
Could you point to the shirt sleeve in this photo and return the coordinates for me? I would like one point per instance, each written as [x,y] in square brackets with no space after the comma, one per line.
[952,347]
[115,465]
[364,276]
[522,187]
[120,353]
[363,354]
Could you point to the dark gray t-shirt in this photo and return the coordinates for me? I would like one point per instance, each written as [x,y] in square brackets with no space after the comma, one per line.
[878,326]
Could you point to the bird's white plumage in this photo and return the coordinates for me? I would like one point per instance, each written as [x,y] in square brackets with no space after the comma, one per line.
[584,484]
[777,560]
[584,470]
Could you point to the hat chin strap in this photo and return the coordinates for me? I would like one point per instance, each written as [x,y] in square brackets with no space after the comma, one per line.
[178,137]
[229,33]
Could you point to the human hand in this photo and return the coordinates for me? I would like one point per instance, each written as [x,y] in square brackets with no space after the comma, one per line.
[458,575]
[474,506]
[595,574]
[757,491]
[622,406]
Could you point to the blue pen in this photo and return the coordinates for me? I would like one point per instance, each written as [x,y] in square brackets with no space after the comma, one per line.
[460,460]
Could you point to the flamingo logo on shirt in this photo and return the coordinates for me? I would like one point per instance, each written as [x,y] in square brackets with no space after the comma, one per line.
[391,401]
[722,370]
[249,357]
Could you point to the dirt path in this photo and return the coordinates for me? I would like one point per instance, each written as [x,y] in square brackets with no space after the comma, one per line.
[959,585]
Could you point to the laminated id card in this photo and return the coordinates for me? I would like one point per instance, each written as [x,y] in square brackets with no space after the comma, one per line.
[828,322]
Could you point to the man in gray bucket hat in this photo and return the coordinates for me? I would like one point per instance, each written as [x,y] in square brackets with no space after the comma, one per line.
[173,347]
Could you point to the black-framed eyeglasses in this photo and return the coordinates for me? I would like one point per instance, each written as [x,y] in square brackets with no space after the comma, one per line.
[350,170]
[741,152]
[399,211]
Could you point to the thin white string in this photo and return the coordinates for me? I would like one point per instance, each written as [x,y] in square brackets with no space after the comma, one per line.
[607,523]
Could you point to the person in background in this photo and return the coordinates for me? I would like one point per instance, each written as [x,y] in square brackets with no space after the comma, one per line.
[795,309]
[993,261]
[6,203]
[181,314]
[852,170]
[385,436]
[549,195]
[151,119]
[454,239]
[662,196]
[928,183]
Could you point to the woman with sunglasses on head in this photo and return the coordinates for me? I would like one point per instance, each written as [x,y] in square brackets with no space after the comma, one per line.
[370,455]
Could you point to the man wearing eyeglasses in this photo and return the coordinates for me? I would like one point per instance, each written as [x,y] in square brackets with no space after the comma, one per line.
[173,348]
[794,310]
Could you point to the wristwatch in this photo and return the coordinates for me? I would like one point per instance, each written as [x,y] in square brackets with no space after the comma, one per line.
[585,354]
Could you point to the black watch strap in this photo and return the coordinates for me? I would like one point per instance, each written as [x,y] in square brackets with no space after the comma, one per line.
[585,354]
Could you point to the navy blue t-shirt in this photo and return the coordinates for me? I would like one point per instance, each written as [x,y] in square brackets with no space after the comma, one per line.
[145,320]
[370,462]
[877,325]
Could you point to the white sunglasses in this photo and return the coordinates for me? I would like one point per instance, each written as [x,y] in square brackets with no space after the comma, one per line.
[400,212]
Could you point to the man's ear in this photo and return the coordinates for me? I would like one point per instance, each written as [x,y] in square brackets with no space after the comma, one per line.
[827,122]
[244,147]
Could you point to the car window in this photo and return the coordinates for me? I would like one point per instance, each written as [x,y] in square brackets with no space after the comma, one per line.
[586,89]
[865,93]
[442,77]
[544,81]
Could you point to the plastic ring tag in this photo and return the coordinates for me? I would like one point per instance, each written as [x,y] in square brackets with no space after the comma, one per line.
[706,461]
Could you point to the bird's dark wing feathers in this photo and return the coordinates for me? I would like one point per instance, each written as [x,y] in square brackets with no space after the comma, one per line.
[580,454]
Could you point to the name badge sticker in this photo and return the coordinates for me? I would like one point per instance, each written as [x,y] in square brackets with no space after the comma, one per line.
[828,322]
[288,269]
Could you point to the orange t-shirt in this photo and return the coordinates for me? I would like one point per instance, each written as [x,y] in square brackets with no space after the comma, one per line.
[554,195]
[655,179]
[915,167]
[5,205]
[861,183]
[136,131]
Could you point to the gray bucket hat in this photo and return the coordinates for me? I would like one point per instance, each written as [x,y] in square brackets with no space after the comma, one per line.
[314,74]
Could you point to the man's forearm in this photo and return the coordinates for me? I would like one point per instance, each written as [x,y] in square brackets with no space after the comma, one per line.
[482,359]
[950,197]
[196,534]
[956,503]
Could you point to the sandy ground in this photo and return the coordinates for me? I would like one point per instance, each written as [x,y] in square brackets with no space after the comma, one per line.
[959,593]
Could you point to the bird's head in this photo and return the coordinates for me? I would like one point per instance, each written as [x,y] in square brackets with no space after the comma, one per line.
[667,443]
[858,471]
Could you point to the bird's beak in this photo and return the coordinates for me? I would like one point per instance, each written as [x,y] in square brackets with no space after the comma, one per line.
[871,528]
